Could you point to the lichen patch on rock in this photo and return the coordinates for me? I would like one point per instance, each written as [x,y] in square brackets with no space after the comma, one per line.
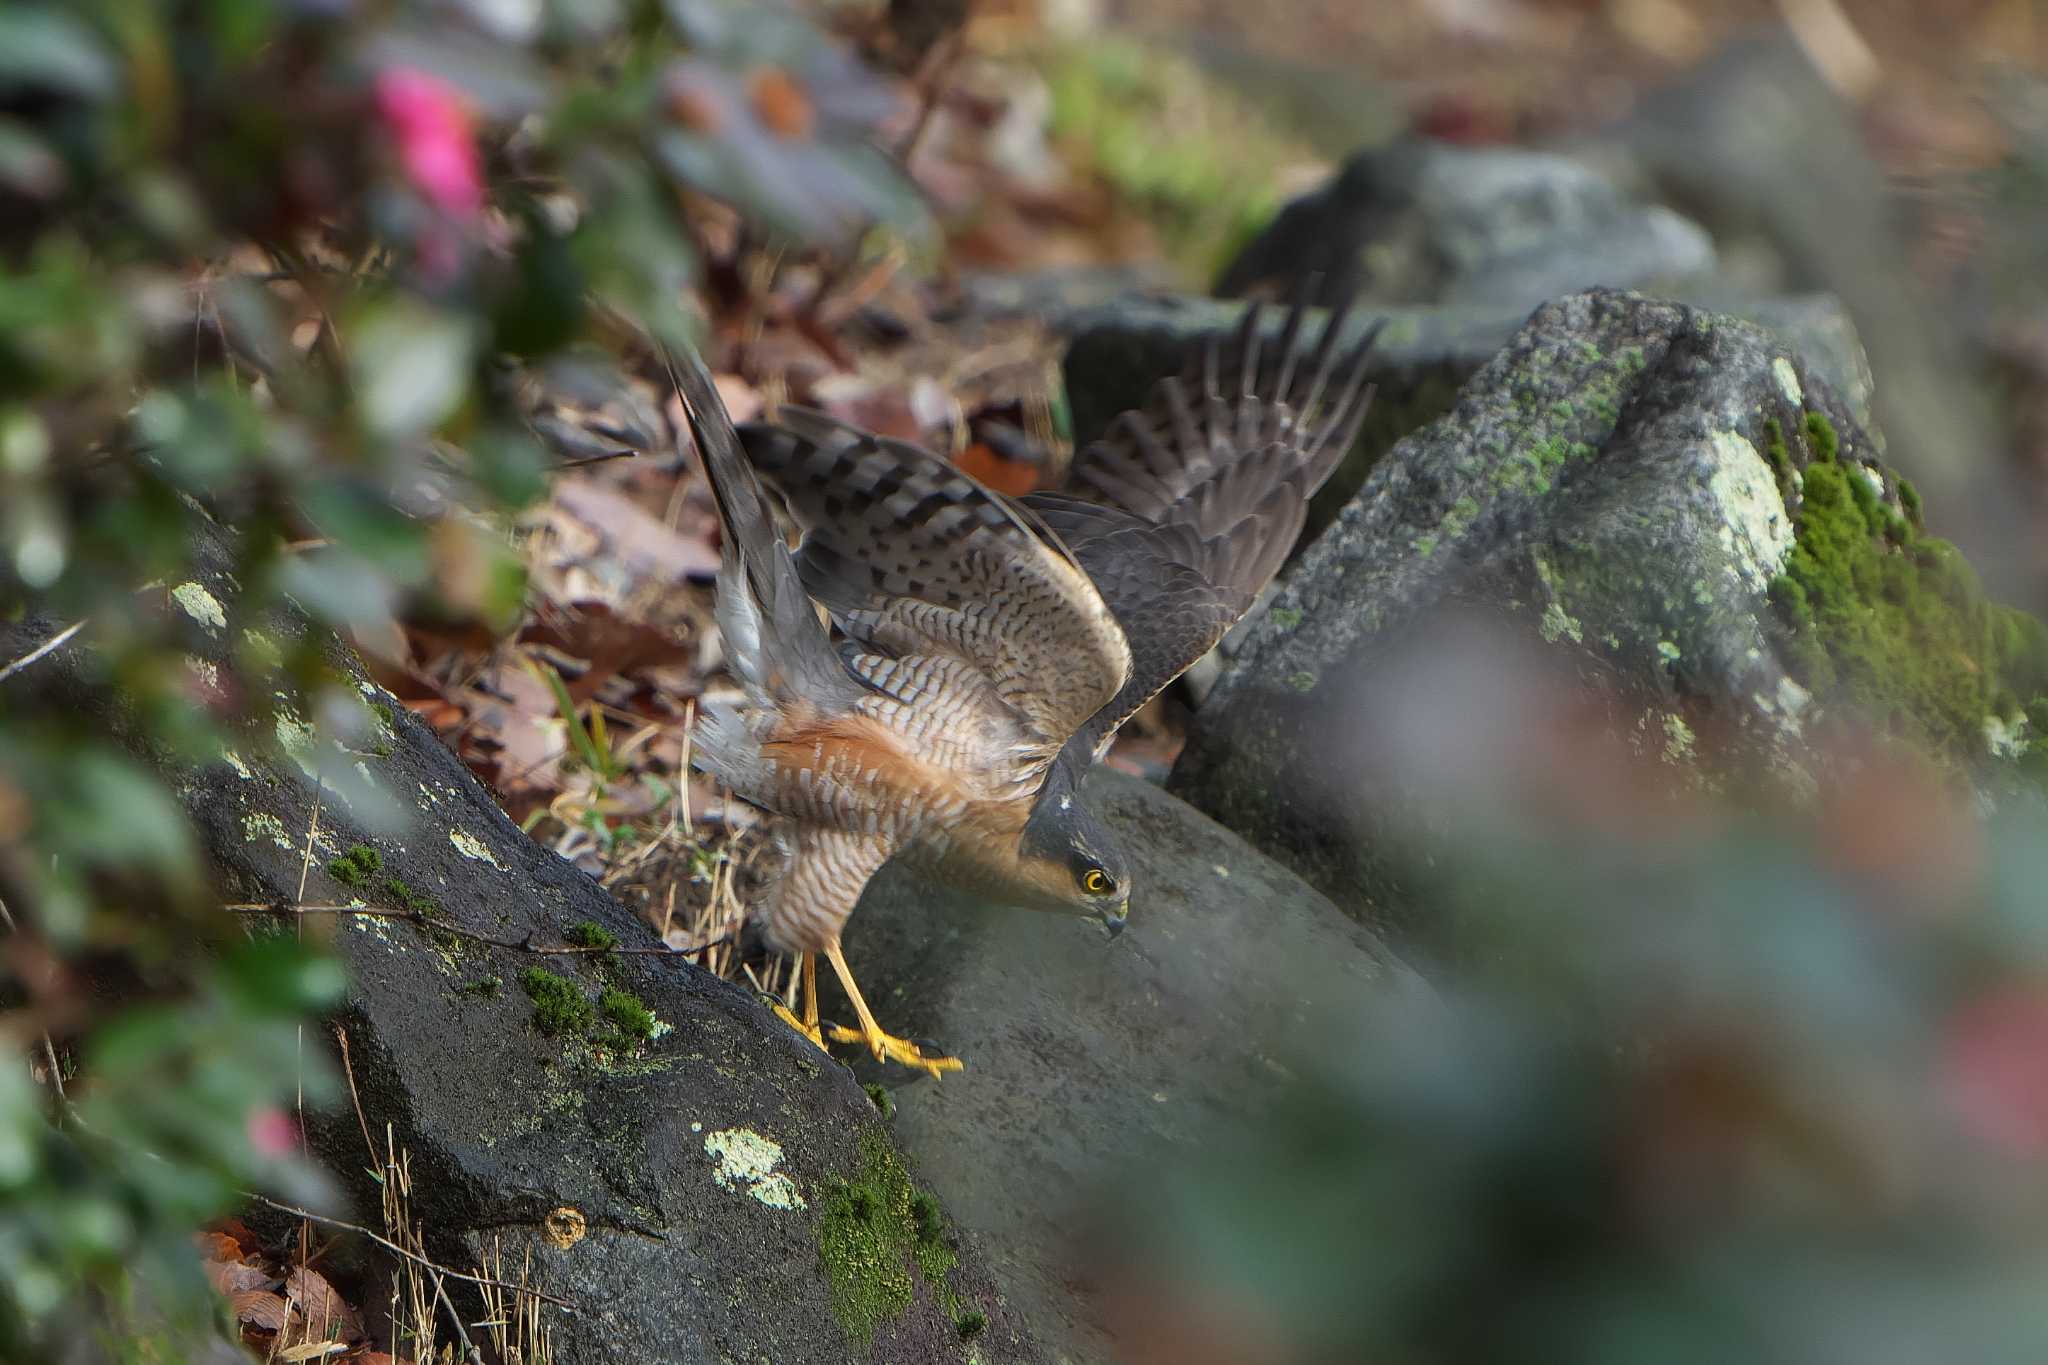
[1757,533]
[263,825]
[1788,382]
[202,606]
[745,1164]
[471,847]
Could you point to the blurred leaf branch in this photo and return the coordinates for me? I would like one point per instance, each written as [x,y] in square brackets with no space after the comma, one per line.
[278,266]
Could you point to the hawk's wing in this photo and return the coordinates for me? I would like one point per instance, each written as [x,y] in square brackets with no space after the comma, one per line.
[914,558]
[1186,509]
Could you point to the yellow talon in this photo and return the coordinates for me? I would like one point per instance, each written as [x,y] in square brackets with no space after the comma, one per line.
[788,1017]
[885,1047]
[889,1048]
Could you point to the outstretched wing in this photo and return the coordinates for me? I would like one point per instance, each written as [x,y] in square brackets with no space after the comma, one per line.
[915,560]
[1189,505]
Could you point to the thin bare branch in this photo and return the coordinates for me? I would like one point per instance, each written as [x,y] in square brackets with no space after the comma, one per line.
[49,646]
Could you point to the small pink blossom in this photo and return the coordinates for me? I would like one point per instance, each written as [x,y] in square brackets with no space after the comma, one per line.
[271,1131]
[1996,1070]
[436,136]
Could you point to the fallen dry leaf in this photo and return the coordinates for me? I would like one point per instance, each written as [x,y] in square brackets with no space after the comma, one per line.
[261,1309]
[235,1277]
[320,1303]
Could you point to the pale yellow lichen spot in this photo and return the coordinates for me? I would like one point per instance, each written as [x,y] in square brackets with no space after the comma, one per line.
[473,848]
[234,760]
[746,1165]
[262,825]
[199,604]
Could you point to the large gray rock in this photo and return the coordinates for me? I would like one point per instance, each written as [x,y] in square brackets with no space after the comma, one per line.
[1424,356]
[1086,1056]
[1604,501]
[1424,222]
[721,1193]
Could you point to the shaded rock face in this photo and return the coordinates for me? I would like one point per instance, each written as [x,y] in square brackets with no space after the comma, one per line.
[721,1192]
[1605,503]
[1088,1056]
[1424,356]
[1429,222]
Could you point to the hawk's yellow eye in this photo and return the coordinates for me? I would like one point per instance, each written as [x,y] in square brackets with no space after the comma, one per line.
[1096,882]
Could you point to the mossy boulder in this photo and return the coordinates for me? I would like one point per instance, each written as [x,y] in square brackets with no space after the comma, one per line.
[674,1160]
[1667,509]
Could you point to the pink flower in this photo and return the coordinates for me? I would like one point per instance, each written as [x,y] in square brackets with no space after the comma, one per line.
[271,1131]
[1996,1070]
[435,133]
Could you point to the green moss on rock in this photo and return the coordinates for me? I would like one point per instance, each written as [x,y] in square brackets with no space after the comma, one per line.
[630,1021]
[406,898]
[1893,622]
[877,1236]
[357,866]
[559,1007]
[590,934]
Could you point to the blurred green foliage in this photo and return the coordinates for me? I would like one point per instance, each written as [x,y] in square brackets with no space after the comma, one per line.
[1765,1090]
[281,266]
[1196,161]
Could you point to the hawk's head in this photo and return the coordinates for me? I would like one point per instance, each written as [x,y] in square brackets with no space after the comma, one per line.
[1069,858]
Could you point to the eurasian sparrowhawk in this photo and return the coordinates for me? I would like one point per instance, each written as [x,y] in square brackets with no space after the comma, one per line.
[991,646]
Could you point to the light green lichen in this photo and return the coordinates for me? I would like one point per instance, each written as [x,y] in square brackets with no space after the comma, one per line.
[1788,382]
[744,1162]
[196,602]
[1679,742]
[1461,515]
[473,848]
[1754,528]
[263,825]
[294,736]
[1557,623]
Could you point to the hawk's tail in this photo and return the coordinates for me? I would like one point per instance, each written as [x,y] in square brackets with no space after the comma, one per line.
[774,642]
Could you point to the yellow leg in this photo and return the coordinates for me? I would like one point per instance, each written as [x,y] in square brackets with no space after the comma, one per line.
[885,1047]
[808,1025]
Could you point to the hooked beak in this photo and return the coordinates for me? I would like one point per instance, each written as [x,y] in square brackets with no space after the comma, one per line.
[1113,917]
